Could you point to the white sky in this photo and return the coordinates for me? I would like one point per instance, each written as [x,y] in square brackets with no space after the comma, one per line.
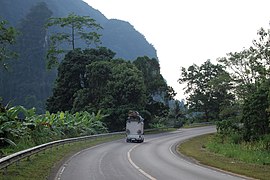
[185,32]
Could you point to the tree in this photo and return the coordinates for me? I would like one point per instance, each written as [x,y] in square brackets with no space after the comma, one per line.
[72,76]
[93,95]
[250,71]
[157,91]
[7,38]
[208,87]
[115,87]
[155,83]
[250,66]
[78,25]
[256,113]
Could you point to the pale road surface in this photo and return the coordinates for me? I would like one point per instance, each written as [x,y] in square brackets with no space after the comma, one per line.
[154,159]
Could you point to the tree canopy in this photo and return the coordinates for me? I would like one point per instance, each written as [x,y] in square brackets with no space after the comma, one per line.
[73,25]
[235,91]
[91,80]
[208,87]
[72,76]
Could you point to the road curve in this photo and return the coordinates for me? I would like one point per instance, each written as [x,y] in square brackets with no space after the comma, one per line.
[153,159]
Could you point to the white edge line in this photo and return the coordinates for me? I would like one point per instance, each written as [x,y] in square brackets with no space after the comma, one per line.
[136,167]
[209,168]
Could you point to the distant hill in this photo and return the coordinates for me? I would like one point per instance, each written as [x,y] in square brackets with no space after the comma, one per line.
[28,83]
[119,36]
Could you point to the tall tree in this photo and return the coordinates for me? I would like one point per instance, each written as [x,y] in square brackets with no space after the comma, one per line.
[208,87]
[83,26]
[72,76]
[250,66]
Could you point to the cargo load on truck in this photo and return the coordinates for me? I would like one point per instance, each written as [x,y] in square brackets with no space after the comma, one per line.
[134,127]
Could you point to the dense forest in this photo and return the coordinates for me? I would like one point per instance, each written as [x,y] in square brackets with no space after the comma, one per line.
[235,92]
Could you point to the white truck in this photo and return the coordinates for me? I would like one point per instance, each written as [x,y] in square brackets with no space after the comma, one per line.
[134,127]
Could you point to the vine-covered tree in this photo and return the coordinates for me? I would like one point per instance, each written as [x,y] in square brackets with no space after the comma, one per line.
[82,26]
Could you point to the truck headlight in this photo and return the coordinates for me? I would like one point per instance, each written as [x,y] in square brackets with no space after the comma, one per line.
[128,131]
[139,132]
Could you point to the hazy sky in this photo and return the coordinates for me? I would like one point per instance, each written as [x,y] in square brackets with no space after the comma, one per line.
[185,32]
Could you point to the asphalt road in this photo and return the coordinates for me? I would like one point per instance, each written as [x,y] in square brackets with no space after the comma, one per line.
[154,159]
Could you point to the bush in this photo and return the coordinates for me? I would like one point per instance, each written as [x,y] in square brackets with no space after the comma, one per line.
[16,133]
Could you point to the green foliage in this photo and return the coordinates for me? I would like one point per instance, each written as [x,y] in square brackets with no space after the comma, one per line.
[250,66]
[255,113]
[229,129]
[82,26]
[155,83]
[208,87]
[248,140]
[115,87]
[245,152]
[32,129]
[158,122]
[7,38]
[239,98]
[157,108]
[157,91]
[90,80]
[72,78]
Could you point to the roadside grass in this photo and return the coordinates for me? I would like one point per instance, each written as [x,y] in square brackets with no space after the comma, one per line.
[226,157]
[40,166]
[194,125]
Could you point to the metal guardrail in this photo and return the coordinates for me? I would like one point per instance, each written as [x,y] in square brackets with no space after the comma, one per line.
[10,159]
[13,158]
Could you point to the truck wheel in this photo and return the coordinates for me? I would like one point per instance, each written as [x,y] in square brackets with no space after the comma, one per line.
[127,140]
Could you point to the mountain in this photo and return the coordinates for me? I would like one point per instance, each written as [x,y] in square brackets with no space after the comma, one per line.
[119,36]
[28,83]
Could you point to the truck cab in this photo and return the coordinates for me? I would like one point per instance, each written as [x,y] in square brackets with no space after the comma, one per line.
[134,128]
